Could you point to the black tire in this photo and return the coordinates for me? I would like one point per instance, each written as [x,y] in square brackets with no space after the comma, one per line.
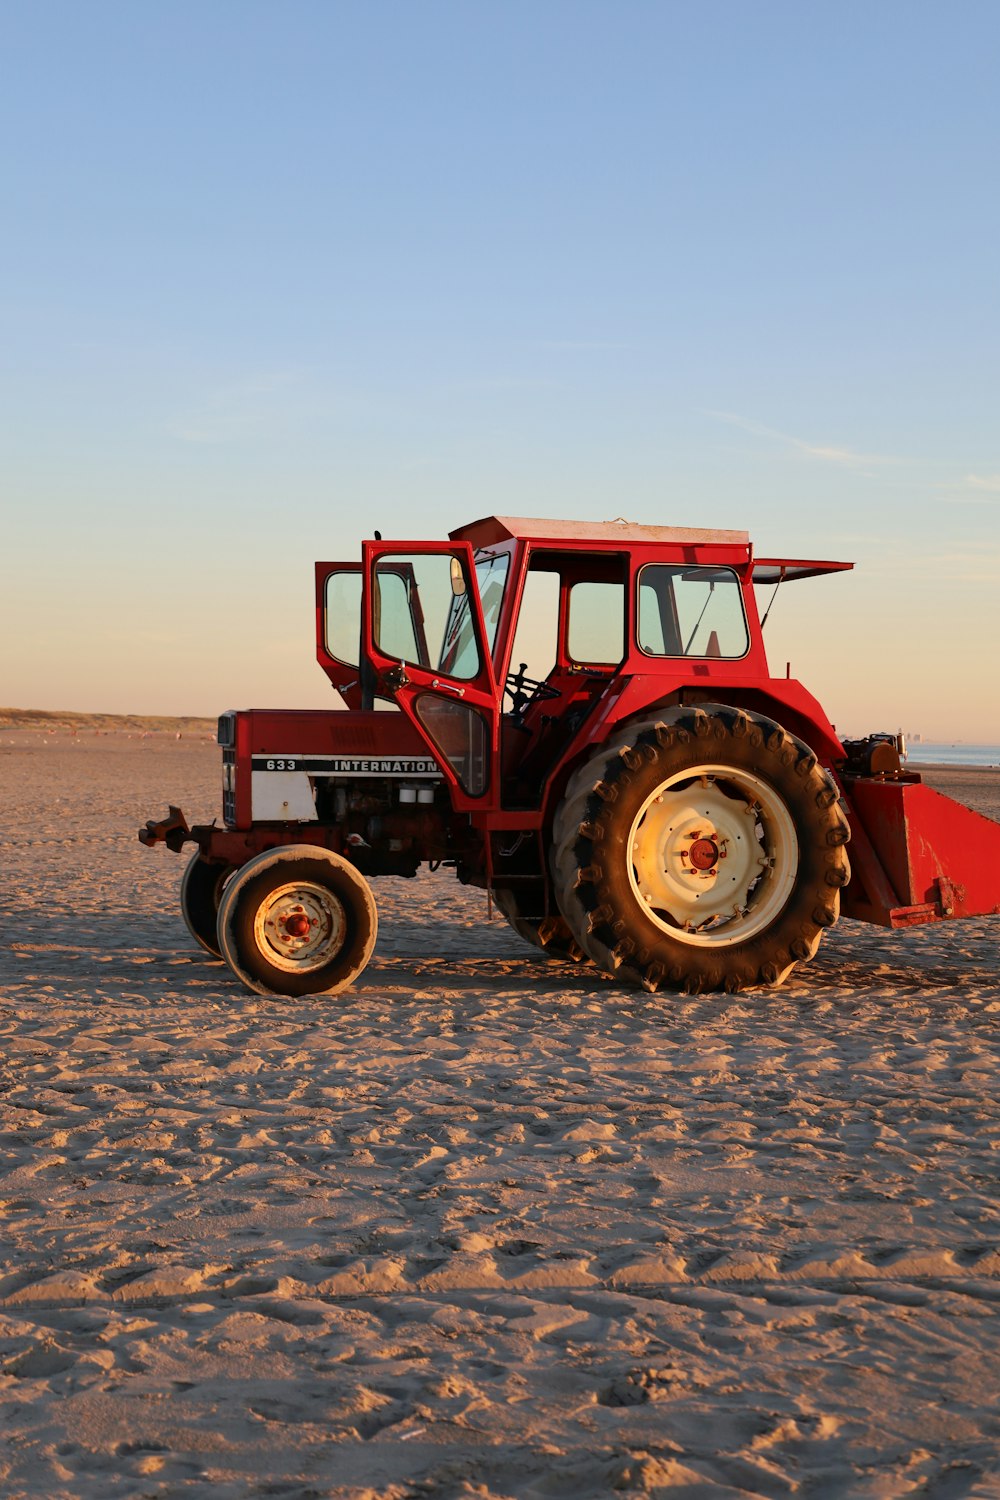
[201,893]
[551,935]
[297,921]
[646,832]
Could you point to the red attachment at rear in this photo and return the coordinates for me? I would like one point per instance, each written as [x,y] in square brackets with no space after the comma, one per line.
[917,856]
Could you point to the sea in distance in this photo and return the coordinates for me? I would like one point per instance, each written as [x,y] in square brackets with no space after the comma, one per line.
[926,754]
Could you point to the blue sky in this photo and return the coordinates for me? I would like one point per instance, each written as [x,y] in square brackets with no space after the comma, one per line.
[274,275]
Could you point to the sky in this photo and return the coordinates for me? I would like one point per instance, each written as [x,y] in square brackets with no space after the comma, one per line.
[275,275]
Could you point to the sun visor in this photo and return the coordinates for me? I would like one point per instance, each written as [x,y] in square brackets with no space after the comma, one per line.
[784,569]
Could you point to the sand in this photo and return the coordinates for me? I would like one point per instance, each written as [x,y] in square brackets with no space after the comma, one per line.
[485,1226]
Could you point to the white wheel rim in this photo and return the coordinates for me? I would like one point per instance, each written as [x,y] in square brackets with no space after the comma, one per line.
[713,856]
[300,927]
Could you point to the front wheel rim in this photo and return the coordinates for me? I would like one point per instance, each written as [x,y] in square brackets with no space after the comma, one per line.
[300,927]
[713,856]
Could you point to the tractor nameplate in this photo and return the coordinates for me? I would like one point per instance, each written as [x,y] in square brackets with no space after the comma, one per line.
[350,765]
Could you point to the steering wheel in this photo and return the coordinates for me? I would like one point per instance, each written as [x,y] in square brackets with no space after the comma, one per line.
[524,690]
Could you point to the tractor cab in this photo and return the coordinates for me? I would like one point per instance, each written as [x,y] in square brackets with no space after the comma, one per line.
[507,643]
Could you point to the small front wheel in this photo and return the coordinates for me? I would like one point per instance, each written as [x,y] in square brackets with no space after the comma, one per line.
[297,921]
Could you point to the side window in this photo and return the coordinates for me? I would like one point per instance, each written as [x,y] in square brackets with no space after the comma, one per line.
[691,612]
[537,636]
[459,732]
[342,616]
[597,622]
[422,613]
[396,624]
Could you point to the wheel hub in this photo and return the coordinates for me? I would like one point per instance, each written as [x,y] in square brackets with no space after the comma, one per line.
[714,855]
[704,854]
[297,925]
[300,926]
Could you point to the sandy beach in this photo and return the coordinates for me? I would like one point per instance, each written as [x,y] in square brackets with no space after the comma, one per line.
[485,1226]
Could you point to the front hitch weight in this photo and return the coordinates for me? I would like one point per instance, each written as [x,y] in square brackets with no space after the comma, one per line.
[172,830]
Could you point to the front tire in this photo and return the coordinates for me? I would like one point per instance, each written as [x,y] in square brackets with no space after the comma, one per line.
[706,853]
[298,920]
[201,893]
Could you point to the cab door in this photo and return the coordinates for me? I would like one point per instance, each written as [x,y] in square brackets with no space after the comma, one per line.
[425,639]
[338,627]
[339,639]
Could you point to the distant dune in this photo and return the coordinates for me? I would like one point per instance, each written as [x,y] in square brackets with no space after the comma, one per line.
[42,718]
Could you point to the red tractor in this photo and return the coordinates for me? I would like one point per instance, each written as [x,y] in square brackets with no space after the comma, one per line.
[651,798]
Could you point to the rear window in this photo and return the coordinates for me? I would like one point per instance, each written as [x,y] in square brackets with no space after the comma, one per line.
[685,611]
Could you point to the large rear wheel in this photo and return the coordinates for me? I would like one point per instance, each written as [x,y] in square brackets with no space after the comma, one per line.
[706,853]
[297,921]
[550,934]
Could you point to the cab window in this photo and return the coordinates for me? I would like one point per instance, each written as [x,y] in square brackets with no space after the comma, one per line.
[422,615]
[596,631]
[342,616]
[686,611]
[491,577]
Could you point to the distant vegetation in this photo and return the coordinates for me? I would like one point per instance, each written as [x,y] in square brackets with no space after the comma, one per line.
[42,718]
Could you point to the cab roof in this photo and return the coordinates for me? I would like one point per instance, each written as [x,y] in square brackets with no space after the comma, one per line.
[494,529]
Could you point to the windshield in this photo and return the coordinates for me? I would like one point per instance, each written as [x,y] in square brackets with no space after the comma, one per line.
[491,576]
[459,641]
